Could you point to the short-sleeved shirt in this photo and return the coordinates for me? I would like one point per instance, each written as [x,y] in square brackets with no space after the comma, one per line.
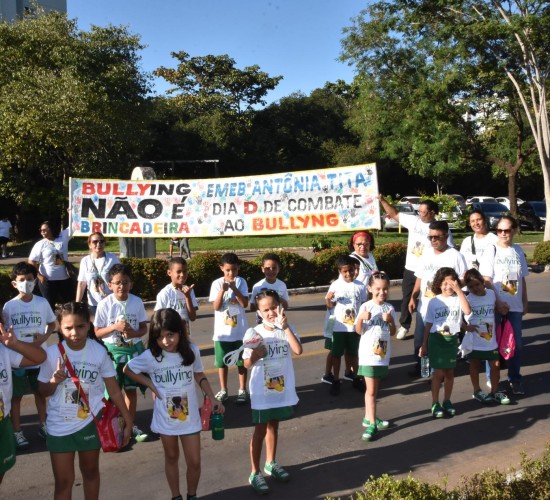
[5,228]
[445,314]
[483,316]
[506,267]
[479,247]
[366,267]
[375,345]
[349,297]
[51,256]
[177,412]
[95,273]
[279,286]
[9,360]
[110,311]
[171,297]
[230,321]
[67,412]
[272,383]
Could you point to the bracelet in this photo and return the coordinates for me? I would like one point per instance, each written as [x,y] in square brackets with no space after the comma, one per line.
[201,381]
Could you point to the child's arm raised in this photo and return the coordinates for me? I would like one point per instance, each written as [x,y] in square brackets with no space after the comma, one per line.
[218,301]
[32,355]
[241,299]
[58,376]
[387,316]
[130,333]
[191,311]
[364,315]
[464,304]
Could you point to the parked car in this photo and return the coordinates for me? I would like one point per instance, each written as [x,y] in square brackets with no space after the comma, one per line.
[389,224]
[454,219]
[506,201]
[493,211]
[412,200]
[480,199]
[460,200]
[532,215]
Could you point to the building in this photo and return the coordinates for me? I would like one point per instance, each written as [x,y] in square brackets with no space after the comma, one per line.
[13,9]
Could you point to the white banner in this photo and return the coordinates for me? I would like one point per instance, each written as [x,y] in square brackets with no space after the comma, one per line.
[314,201]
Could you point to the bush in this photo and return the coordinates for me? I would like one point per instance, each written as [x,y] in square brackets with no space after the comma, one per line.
[296,271]
[149,276]
[324,264]
[390,258]
[7,292]
[204,268]
[542,253]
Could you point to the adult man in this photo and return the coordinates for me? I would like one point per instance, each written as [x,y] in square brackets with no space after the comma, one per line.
[418,226]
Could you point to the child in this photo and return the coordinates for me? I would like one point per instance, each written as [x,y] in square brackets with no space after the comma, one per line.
[174,364]
[177,295]
[271,265]
[71,427]
[442,325]
[13,354]
[376,322]
[272,385]
[120,322]
[32,320]
[229,295]
[481,324]
[345,295]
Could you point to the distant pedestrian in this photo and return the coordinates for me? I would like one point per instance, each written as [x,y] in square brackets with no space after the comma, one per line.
[474,246]
[182,244]
[271,265]
[361,246]
[5,236]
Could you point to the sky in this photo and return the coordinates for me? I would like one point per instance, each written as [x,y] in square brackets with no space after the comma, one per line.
[298,39]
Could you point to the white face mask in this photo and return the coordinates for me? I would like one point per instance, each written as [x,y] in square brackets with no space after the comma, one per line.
[25,287]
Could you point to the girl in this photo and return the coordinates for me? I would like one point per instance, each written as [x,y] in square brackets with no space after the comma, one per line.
[481,324]
[442,324]
[272,386]
[70,425]
[376,322]
[174,364]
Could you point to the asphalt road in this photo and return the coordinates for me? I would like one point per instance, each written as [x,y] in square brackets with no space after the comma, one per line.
[321,447]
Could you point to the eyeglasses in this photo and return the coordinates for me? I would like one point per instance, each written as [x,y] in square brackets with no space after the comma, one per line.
[505,231]
[97,242]
[435,237]
[120,283]
[361,244]
[44,230]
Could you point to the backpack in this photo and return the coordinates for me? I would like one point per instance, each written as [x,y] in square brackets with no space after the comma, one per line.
[505,338]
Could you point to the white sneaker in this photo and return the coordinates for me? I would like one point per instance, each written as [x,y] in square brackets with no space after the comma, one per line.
[20,440]
[401,333]
[489,385]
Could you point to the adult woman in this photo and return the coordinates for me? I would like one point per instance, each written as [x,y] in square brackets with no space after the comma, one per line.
[504,269]
[94,271]
[360,245]
[474,246]
[50,255]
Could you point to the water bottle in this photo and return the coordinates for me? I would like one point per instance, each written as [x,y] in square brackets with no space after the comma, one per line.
[424,367]
[218,431]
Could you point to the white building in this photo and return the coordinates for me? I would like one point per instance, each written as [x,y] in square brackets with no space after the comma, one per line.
[13,9]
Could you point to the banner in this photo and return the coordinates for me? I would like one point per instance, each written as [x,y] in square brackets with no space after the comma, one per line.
[314,201]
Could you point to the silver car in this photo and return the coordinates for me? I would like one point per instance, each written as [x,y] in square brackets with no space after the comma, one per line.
[389,224]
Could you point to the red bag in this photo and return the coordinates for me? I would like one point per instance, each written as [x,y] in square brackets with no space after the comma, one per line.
[206,413]
[110,427]
[505,338]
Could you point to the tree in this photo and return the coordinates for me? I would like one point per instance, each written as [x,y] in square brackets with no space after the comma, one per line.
[71,104]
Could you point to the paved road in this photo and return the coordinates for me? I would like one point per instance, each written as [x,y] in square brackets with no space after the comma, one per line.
[321,447]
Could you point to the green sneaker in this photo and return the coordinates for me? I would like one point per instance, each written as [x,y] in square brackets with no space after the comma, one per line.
[139,435]
[448,408]
[381,424]
[257,482]
[437,411]
[275,470]
[480,396]
[500,397]
[370,433]
[222,396]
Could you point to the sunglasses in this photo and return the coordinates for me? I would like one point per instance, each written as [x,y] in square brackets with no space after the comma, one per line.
[97,242]
[504,231]
[432,237]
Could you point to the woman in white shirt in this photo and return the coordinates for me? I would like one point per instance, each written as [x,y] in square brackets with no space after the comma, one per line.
[474,246]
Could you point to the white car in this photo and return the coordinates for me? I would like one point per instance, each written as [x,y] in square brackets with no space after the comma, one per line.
[389,224]
[506,201]
[480,199]
[414,201]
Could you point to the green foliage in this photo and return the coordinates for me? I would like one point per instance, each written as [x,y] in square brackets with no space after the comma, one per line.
[390,258]
[296,271]
[542,253]
[321,242]
[149,276]
[7,292]
[324,263]
[204,268]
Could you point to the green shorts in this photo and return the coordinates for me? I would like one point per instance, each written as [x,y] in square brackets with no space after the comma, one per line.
[328,344]
[221,348]
[279,414]
[85,439]
[345,342]
[373,371]
[7,445]
[442,350]
[26,383]
[485,355]
[121,356]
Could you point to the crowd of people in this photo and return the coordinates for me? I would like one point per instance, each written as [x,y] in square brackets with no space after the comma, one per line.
[101,324]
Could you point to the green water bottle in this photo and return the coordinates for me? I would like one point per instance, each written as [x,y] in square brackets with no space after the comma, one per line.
[218,431]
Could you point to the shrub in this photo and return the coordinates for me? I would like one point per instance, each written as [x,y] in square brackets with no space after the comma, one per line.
[7,292]
[296,271]
[149,276]
[204,268]
[542,253]
[324,264]
[390,258]
[321,242]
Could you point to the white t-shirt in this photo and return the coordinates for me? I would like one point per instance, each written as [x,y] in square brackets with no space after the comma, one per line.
[429,265]
[29,319]
[506,267]
[67,413]
[177,413]
[445,314]
[5,226]
[375,346]
[480,245]
[51,256]
[8,360]
[110,310]
[483,316]
[272,383]
[171,297]
[95,272]
[279,286]
[366,267]
[230,321]
[349,297]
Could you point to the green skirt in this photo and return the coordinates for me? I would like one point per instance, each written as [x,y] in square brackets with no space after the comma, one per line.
[442,350]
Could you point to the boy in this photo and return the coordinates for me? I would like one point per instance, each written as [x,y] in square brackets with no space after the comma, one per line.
[345,295]
[14,354]
[120,322]
[177,295]
[271,265]
[32,320]
[229,296]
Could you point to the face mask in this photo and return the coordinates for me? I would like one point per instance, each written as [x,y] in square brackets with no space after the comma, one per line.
[25,287]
